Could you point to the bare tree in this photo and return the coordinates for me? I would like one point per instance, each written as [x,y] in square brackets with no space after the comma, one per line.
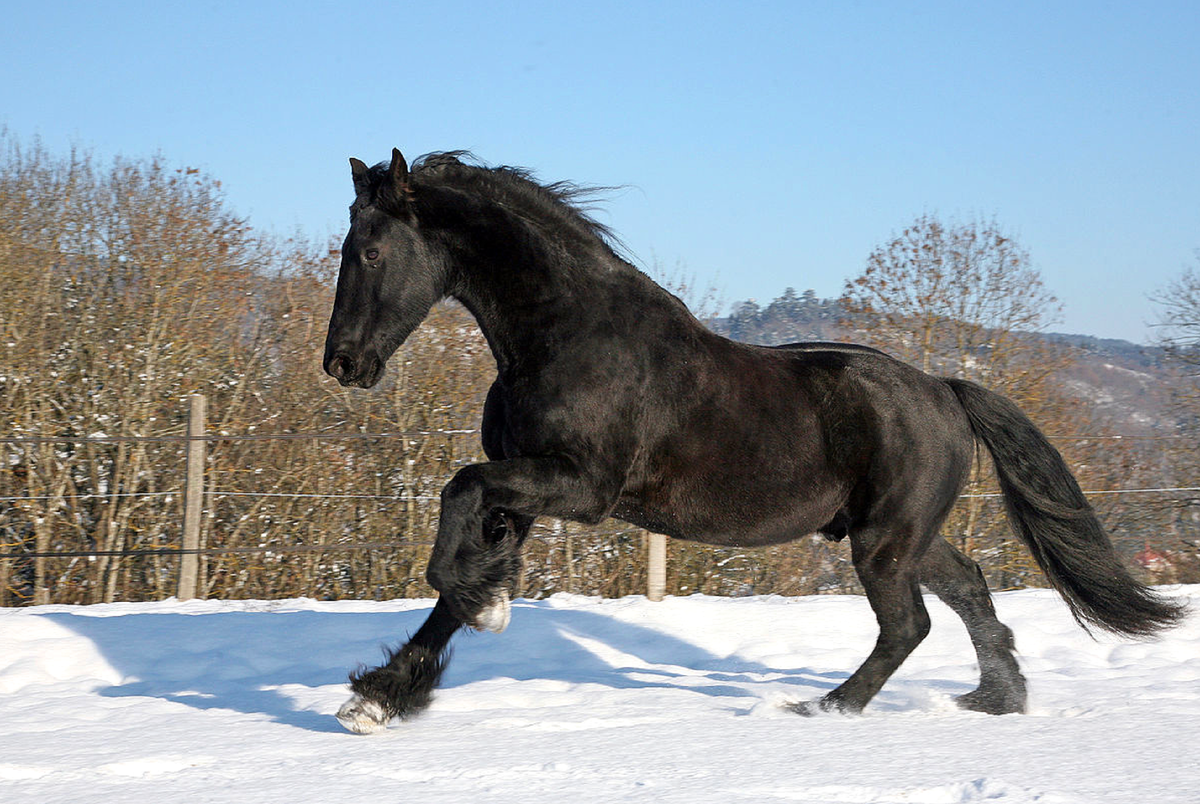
[1179,334]
[952,298]
[1179,316]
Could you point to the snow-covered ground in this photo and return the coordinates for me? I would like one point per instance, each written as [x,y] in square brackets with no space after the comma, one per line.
[582,700]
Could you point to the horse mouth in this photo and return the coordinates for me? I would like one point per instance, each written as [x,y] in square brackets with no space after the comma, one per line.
[367,379]
[352,373]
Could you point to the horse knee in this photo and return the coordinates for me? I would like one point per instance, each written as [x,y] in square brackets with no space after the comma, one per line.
[465,488]
[460,500]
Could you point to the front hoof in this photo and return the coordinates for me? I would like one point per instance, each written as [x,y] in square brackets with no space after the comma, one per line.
[495,616]
[830,703]
[362,716]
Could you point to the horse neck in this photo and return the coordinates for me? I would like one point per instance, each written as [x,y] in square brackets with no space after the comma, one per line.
[515,280]
[527,333]
[521,305]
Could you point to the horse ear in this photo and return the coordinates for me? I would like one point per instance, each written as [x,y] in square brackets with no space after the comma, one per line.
[398,172]
[360,173]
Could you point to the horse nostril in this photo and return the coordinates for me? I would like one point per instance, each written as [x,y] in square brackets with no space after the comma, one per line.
[340,366]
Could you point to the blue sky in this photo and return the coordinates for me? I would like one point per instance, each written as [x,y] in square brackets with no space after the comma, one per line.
[760,145]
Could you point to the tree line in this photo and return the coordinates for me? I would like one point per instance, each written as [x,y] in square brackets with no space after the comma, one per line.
[126,286]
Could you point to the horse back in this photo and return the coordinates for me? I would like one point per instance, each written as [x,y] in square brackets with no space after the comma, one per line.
[827,346]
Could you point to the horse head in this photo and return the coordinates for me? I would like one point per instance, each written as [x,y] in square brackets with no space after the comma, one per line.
[389,278]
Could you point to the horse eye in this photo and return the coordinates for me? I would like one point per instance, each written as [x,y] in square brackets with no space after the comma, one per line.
[372,254]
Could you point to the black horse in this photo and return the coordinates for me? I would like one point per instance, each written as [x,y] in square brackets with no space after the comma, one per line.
[611,399]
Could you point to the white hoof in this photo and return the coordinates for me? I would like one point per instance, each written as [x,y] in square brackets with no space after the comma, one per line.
[362,716]
[495,617]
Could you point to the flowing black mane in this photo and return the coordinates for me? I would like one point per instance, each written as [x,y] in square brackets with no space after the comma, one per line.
[516,189]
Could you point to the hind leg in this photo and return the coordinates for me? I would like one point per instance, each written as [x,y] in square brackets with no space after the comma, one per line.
[958,581]
[886,563]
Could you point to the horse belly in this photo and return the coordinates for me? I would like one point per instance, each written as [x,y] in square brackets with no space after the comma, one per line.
[733,514]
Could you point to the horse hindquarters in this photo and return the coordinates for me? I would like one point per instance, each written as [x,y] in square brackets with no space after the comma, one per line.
[921,453]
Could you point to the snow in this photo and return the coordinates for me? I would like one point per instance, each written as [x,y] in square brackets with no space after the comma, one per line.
[583,700]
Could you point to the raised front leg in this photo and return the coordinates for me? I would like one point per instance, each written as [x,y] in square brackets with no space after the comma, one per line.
[476,560]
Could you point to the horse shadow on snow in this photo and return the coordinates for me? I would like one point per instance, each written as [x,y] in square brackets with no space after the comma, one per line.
[250,661]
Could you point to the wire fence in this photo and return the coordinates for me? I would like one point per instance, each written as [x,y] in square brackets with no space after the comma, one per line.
[217,495]
[430,498]
[103,439]
[210,551]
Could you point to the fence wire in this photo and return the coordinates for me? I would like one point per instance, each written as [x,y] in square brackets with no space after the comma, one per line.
[291,548]
[430,498]
[219,494]
[226,437]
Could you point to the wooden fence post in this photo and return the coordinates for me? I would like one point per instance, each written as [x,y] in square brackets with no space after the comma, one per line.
[193,499]
[656,567]
[569,547]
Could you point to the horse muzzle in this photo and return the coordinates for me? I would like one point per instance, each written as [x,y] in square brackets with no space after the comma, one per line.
[361,372]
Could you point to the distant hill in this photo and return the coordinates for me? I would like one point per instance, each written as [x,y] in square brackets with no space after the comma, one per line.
[791,317]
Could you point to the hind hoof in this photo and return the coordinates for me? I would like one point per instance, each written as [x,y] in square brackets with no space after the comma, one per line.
[495,617]
[992,703]
[803,708]
[362,716]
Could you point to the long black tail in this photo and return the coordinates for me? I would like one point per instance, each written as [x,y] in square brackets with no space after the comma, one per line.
[1051,516]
